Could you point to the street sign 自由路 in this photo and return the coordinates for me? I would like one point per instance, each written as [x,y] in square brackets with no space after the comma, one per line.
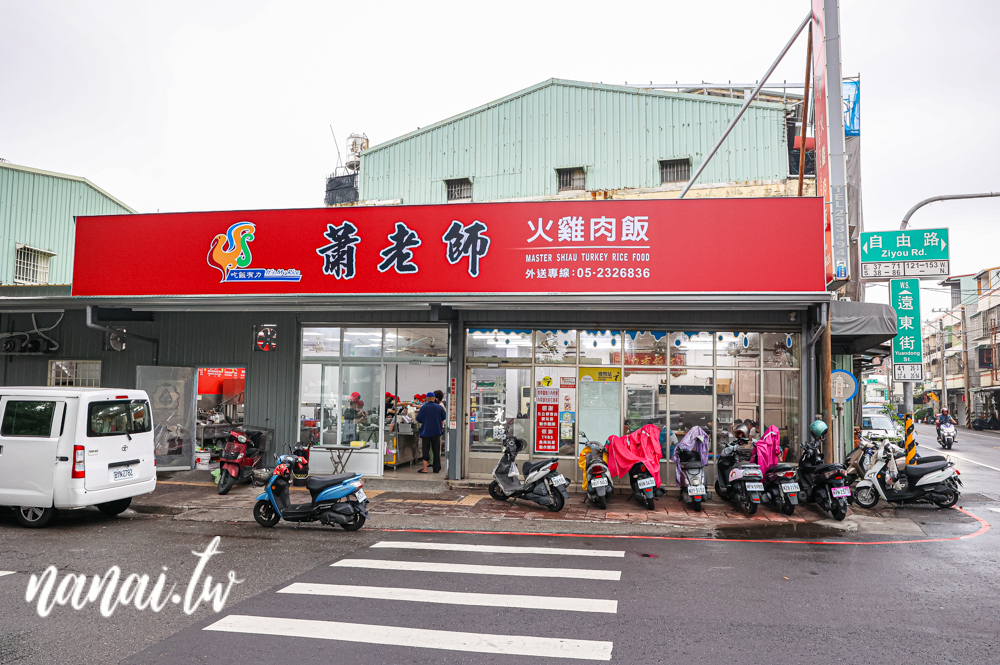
[907,347]
[911,253]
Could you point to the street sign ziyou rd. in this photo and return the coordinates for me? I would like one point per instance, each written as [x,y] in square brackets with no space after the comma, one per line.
[907,346]
[921,253]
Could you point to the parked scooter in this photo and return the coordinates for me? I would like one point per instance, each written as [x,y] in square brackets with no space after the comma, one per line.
[824,484]
[542,483]
[780,488]
[946,435]
[736,479]
[860,459]
[335,499]
[690,457]
[637,455]
[932,479]
[240,456]
[594,463]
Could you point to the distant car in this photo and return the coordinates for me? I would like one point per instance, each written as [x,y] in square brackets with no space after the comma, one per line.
[879,423]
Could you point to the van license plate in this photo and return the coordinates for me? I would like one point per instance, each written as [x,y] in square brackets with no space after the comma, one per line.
[122,473]
[645,483]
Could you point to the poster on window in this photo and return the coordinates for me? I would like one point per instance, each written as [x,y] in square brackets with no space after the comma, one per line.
[547,420]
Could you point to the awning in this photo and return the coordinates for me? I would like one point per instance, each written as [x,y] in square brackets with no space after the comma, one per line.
[856,327]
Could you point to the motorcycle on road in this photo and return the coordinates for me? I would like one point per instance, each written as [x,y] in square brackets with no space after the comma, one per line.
[946,435]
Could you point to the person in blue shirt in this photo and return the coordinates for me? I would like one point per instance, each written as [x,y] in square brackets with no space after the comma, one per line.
[431,418]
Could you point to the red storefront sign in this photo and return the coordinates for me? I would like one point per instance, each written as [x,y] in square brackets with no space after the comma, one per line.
[546,420]
[822,130]
[552,247]
[211,379]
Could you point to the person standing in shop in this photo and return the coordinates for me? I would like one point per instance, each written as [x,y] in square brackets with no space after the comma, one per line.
[431,418]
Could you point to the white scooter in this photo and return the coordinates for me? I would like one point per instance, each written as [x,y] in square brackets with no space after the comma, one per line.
[932,479]
[946,435]
[542,483]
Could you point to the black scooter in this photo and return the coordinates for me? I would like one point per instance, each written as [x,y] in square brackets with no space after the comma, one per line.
[736,479]
[542,483]
[821,483]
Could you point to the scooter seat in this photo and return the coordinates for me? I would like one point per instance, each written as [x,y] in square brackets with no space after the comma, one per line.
[917,470]
[528,467]
[780,468]
[690,465]
[930,458]
[316,484]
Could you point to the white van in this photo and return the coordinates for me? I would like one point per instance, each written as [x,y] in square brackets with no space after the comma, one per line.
[66,448]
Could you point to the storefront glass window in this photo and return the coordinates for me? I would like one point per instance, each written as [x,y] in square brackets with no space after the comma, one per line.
[737,349]
[782,404]
[690,400]
[363,343]
[555,346]
[645,348]
[320,343]
[555,411]
[499,345]
[499,398]
[690,349]
[360,400]
[415,343]
[600,395]
[645,398]
[781,349]
[725,406]
[600,347]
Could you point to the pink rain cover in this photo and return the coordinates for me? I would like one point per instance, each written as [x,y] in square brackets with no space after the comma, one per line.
[642,445]
[767,450]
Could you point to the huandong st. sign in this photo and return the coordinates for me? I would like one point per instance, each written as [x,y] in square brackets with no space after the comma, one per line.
[911,253]
[628,246]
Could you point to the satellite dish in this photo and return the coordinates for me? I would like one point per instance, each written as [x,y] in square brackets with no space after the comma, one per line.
[116,340]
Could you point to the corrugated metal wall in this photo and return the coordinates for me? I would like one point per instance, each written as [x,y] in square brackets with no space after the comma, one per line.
[512,148]
[38,210]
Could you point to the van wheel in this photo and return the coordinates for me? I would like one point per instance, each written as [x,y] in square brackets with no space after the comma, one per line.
[34,518]
[226,482]
[112,508]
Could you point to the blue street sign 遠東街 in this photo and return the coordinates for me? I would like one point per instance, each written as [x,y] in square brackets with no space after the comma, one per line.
[907,347]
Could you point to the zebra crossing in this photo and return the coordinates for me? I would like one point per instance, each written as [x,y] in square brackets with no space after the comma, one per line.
[428,566]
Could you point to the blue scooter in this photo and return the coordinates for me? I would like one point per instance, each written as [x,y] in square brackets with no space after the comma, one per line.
[335,499]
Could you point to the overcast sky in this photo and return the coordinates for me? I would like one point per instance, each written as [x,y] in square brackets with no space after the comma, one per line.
[177,106]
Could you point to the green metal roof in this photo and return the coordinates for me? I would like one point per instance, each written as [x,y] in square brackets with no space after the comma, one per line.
[37,209]
[511,147]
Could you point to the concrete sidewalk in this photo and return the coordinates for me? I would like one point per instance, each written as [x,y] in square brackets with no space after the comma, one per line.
[193,496]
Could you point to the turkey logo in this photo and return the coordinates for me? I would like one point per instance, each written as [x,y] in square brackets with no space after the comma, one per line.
[267,337]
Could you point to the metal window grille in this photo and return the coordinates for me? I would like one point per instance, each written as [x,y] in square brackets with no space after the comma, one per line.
[75,373]
[459,189]
[571,179]
[675,170]
[31,266]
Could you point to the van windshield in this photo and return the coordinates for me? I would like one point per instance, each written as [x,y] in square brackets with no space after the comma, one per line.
[124,417]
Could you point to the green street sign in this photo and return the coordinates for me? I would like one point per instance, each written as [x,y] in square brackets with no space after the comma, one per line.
[911,253]
[907,346]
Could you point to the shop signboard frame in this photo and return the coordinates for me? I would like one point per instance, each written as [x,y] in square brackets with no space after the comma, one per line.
[919,253]
[907,345]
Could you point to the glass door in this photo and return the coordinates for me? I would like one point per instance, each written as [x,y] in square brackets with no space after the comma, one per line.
[600,403]
[361,404]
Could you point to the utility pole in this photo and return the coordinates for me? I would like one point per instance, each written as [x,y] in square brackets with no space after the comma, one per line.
[944,370]
[965,371]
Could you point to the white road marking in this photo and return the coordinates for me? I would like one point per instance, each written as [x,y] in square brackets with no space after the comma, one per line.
[494,549]
[7,572]
[514,571]
[456,597]
[996,510]
[948,453]
[518,645]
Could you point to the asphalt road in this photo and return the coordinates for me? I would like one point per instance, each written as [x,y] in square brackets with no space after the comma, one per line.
[698,601]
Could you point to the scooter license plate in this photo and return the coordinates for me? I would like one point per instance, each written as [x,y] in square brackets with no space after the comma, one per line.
[598,482]
[360,496]
[696,490]
[789,487]
[838,492]
[755,487]
[559,480]
[645,483]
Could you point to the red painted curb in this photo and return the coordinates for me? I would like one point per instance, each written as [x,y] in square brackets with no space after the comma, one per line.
[983,528]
